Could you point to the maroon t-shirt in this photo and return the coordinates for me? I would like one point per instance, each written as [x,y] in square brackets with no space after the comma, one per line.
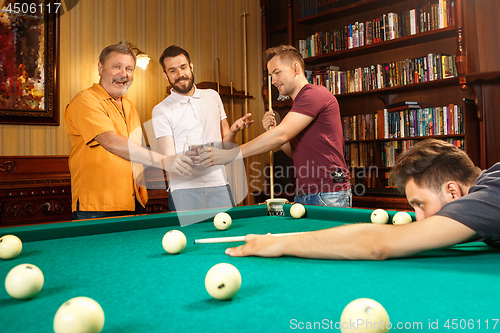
[319,149]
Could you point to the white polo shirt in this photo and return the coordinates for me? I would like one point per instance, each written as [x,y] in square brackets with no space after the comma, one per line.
[179,115]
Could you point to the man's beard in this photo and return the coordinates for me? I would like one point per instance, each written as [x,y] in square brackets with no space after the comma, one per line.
[178,88]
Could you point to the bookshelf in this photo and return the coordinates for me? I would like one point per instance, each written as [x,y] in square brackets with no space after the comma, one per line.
[470,28]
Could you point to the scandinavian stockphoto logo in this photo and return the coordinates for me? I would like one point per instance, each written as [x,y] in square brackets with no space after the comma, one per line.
[37,8]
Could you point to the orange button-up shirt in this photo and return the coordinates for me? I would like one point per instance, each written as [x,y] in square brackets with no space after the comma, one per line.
[100,180]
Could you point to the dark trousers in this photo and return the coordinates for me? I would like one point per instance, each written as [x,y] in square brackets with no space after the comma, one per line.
[85,215]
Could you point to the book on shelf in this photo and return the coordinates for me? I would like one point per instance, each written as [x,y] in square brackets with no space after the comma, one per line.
[413,21]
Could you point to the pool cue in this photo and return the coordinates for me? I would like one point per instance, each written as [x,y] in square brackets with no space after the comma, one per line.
[218,75]
[238,238]
[232,104]
[271,159]
[245,64]
[231,114]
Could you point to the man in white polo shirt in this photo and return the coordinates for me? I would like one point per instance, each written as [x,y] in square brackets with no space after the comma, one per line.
[193,116]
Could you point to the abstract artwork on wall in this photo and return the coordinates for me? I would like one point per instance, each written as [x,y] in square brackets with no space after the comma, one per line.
[29,91]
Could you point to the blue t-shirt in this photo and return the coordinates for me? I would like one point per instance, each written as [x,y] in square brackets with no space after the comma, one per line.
[480,209]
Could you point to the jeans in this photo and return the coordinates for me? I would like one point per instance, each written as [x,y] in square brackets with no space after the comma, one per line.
[332,199]
[84,215]
[200,198]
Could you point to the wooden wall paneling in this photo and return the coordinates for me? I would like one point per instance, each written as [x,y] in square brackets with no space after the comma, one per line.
[470,37]
[487,34]
[491,99]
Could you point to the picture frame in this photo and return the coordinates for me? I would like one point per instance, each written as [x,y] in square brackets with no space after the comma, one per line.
[29,67]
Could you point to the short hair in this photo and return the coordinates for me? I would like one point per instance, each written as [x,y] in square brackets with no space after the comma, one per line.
[121,47]
[431,163]
[286,53]
[171,52]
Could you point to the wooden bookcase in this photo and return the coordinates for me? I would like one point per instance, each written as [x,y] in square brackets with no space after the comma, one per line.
[464,38]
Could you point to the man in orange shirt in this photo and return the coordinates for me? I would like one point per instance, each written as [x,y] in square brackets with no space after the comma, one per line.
[106,160]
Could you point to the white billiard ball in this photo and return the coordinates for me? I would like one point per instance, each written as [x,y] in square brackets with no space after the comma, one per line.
[222,221]
[24,281]
[79,315]
[297,210]
[379,216]
[401,218]
[223,281]
[10,247]
[364,315]
[174,241]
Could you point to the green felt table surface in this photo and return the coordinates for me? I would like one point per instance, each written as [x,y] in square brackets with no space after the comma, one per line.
[121,264]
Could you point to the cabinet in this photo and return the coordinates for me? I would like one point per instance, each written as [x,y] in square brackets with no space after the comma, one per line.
[37,189]
[470,27]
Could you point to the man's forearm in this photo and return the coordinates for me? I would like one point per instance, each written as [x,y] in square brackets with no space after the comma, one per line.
[264,143]
[356,242]
[229,137]
[129,150]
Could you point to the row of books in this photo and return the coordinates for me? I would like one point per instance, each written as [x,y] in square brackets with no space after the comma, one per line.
[360,158]
[404,122]
[392,149]
[445,120]
[313,7]
[359,127]
[394,74]
[384,28]
[359,154]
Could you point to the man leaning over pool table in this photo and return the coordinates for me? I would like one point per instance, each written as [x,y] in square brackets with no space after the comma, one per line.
[454,203]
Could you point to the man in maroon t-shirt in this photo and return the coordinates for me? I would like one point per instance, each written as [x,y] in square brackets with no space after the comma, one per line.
[311,133]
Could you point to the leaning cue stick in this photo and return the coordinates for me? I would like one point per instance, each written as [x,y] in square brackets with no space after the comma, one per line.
[245,64]
[233,168]
[271,159]
[237,238]
[218,75]
[232,104]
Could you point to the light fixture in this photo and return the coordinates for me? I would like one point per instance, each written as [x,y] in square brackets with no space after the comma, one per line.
[142,58]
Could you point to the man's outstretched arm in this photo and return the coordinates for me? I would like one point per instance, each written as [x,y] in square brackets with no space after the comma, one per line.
[129,150]
[363,241]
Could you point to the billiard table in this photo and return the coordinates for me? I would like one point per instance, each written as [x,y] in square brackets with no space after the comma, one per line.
[120,263]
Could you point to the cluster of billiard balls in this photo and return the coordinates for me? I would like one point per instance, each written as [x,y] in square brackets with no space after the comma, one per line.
[77,315]
[380,216]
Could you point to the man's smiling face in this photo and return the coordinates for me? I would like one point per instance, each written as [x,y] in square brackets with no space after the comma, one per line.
[117,74]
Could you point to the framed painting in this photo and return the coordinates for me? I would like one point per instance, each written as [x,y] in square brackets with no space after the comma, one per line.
[29,61]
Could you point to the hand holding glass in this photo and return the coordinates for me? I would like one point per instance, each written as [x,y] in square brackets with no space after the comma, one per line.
[194,143]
